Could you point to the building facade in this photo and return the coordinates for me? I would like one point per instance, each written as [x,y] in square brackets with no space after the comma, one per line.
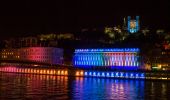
[127,58]
[47,55]
[133,24]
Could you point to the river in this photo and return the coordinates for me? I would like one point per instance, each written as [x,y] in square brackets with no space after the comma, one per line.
[47,87]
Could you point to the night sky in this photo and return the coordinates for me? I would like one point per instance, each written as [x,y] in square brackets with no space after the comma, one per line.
[19,18]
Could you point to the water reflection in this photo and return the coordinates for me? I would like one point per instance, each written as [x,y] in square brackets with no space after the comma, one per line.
[157,90]
[96,88]
[28,86]
[48,87]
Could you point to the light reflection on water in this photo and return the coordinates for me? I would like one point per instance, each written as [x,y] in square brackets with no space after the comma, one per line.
[48,87]
[96,88]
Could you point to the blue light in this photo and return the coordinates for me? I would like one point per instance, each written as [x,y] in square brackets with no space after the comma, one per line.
[85,73]
[134,64]
[94,73]
[98,74]
[90,73]
[107,75]
[117,74]
[112,74]
[142,75]
[100,57]
[103,75]
[121,74]
[133,22]
[137,64]
[75,63]
[107,50]
[131,75]
[137,75]
[127,75]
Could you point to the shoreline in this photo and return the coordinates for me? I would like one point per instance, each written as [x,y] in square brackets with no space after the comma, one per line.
[77,72]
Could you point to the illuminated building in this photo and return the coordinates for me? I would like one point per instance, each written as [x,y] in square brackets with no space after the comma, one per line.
[53,36]
[162,60]
[160,31]
[29,42]
[164,63]
[133,24]
[65,36]
[145,31]
[110,74]
[127,58]
[44,37]
[12,54]
[47,55]
[40,70]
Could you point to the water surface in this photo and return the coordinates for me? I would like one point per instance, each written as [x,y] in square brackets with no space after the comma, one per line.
[47,87]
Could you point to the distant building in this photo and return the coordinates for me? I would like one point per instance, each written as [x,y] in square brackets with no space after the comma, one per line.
[10,54]
[161,61]
[39,41]
[166,46]
[165,58]
[48,55]
[160,31]
[29,42]
[133,24]
[145,31]
[127,58]
[65,36]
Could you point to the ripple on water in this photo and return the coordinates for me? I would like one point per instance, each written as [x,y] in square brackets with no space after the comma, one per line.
[46,87]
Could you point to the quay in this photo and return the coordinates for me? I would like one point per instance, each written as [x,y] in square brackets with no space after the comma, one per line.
[77,72]
[123,63]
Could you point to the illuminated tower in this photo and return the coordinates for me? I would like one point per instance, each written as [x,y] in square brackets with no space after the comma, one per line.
[133,24]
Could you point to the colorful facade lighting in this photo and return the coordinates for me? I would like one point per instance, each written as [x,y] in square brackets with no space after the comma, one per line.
[36,71]
[136,75]
[48,55]
[121,58]
[133,24]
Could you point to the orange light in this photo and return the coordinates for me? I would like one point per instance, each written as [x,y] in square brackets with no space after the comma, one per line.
[22,70]
[19,70]
[44,72]
[81,73]
[66,72]
[51,72]
[35,70]
[77,73]
[58,72]
[31,70]
[62,72]
[25,71]
[54,71]
[38,71]
[47,71]
[28,70]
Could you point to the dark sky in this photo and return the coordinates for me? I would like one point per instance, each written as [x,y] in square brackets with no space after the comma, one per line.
[23,17]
